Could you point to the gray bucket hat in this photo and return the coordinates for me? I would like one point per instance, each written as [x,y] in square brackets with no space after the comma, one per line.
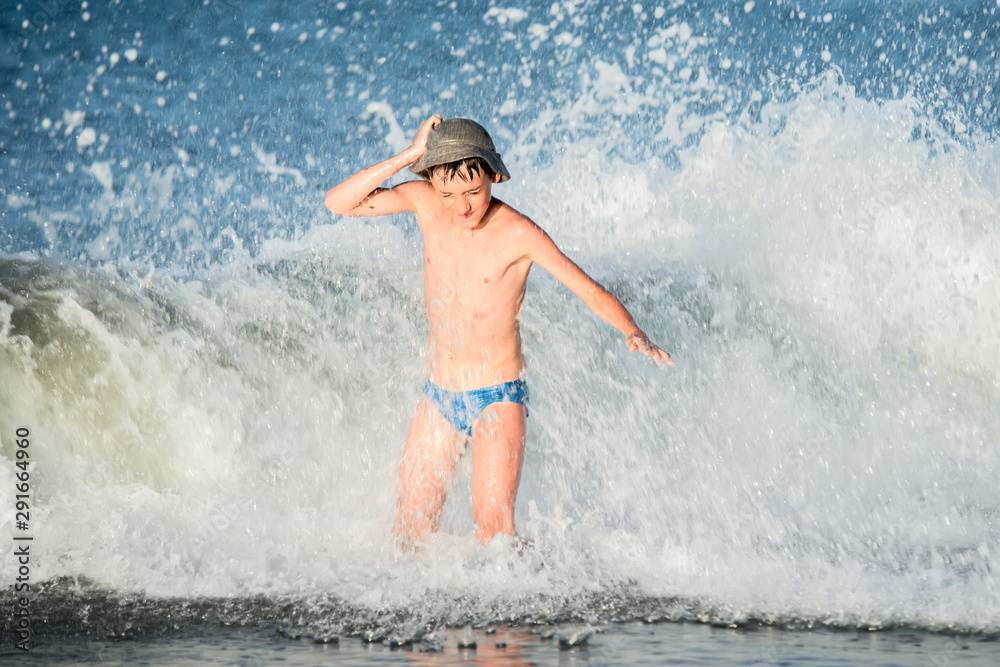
[455,139]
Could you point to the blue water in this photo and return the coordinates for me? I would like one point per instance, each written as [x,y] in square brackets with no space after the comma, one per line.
[800,201]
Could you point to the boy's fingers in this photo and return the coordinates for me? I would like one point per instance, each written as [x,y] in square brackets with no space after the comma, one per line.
[637,342]
[425,129]
[662,357]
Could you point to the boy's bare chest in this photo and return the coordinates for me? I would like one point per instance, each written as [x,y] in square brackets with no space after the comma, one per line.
[471,265]
[463,262]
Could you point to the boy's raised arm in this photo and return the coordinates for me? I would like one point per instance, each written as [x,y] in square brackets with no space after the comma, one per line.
[361,194]
[544,252]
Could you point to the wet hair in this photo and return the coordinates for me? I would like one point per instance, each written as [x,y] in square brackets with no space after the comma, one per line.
[464,169]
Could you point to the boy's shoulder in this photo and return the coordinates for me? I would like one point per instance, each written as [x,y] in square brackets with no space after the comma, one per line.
[418,188]
[513,218]
[417,194]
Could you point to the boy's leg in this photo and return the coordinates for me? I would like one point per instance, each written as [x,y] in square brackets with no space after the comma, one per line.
[497,457]
[433,449]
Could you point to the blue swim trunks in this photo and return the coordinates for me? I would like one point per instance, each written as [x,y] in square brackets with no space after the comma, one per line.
[462,408]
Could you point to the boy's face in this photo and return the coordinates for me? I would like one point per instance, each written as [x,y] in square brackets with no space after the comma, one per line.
[466,199]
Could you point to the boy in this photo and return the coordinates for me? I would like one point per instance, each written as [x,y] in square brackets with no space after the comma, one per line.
[477,253]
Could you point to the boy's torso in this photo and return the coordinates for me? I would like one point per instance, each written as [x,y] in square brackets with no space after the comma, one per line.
[474,284]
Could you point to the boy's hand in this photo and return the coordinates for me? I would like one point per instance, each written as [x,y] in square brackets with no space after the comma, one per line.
[639,341]
[419,145]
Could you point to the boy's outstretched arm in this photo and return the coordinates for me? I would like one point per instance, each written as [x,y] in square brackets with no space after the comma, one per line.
[361,195]
[605,305]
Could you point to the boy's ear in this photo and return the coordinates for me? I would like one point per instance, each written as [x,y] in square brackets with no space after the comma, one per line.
[496,178]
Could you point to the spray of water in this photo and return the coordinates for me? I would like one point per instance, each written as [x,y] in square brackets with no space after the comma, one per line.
[219,378]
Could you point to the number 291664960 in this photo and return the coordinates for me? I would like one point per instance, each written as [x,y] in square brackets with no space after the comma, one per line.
[22,499]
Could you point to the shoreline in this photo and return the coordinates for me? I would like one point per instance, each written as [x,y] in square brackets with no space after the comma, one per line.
[633,643]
